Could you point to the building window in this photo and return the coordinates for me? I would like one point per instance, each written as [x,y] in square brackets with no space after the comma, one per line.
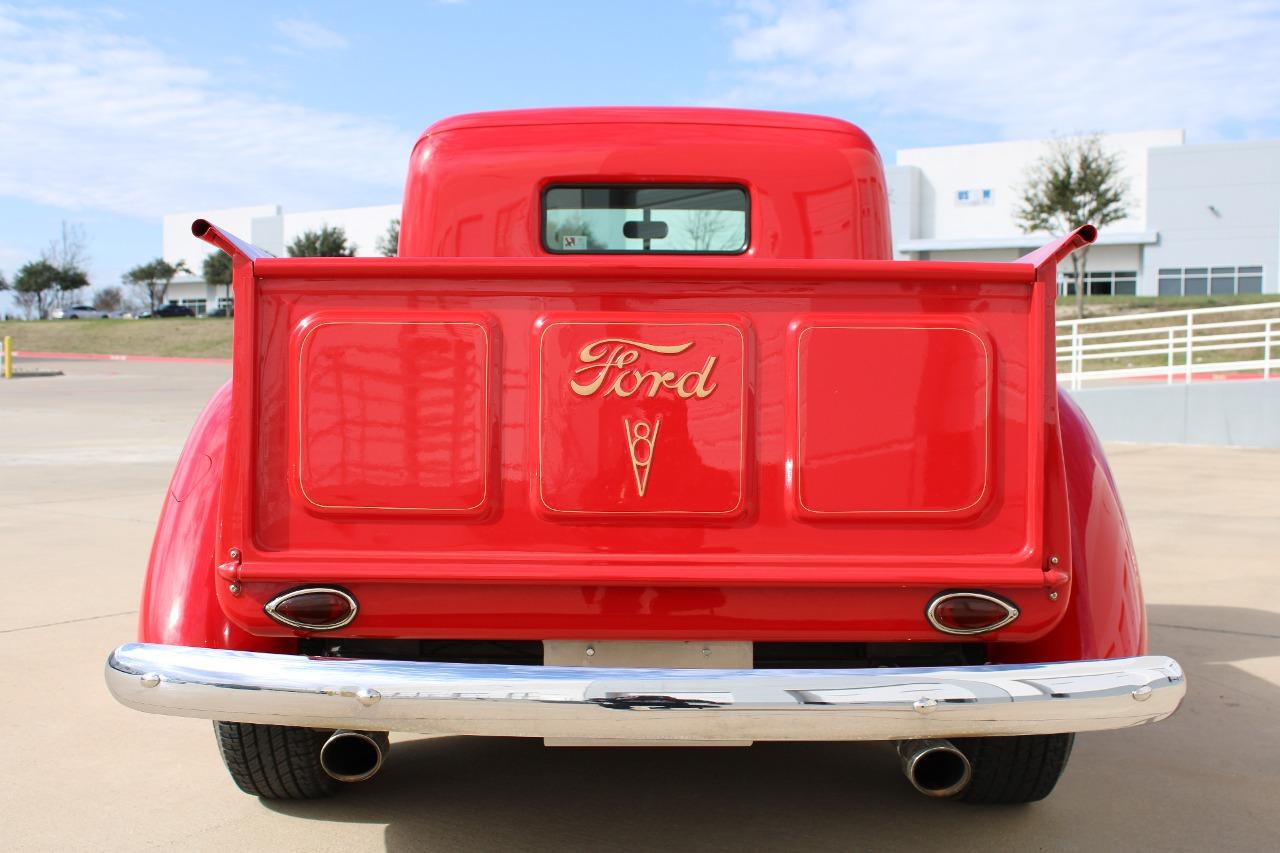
[974,196]
[1101,283]
[1205,281]
[197,305]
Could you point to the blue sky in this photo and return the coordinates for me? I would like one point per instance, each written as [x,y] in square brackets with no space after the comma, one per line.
[112,115]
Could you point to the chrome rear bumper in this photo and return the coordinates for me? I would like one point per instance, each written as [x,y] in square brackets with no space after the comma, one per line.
[657,704]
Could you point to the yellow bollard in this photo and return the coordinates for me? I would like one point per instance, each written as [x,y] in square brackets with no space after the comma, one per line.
[8,357]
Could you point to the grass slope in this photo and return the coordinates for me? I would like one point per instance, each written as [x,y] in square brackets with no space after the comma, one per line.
[179,336]
[1107,306]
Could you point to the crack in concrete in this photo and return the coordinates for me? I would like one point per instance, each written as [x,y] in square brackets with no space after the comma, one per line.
[66,622]
[1217,630]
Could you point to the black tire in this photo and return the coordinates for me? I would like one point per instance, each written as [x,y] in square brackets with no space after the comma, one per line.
[275,762]
[1009,770]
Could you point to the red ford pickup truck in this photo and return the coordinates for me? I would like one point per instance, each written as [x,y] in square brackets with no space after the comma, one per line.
[645,438]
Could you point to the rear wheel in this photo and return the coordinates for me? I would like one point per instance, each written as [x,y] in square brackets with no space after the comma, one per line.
[275,762]
[1020,769]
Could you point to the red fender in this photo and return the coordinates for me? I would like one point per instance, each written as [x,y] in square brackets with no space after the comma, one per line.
[179,605]
[1106,617]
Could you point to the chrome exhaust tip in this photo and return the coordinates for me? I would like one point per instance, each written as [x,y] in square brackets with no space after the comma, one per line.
[935,768]
[353,756]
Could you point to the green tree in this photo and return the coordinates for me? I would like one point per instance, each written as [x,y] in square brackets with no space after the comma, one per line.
[216,270]
[153,279]
[1074,183]
[389,243]
[70,281]
[109,299]
[328,242]
[37,287]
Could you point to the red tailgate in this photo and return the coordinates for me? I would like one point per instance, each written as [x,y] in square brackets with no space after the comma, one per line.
[552,427]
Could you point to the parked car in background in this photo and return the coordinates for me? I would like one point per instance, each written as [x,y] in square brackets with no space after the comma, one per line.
[77,312]
[173,309]
[219,312]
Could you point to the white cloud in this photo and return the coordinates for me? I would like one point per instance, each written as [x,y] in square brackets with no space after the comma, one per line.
[98,120]
[309,35]
[1021,68]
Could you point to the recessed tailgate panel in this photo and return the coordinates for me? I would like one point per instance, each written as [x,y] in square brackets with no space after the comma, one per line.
[392,415]
[890,420]
[641,415]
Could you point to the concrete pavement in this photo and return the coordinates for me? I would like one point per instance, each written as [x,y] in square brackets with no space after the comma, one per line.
[84,464]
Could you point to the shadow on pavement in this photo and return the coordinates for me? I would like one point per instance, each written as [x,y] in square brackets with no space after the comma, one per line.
[1216,758]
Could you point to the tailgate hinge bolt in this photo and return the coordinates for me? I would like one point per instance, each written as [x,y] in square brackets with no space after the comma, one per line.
[1053,595]
[231,571]
[1053,561]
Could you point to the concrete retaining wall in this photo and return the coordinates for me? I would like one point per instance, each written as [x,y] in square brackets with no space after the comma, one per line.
[1241,413]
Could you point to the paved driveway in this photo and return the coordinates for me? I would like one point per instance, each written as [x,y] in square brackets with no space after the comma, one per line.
[84,463]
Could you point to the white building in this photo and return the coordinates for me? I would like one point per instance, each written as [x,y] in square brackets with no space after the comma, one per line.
[269,228]
[1201,218]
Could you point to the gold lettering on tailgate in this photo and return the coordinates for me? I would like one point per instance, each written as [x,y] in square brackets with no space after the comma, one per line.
[605,369]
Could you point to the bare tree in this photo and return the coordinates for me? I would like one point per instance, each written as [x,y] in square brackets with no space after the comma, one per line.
[109,299]
[709,231]
[1074,183]
[26,304]
[70,255]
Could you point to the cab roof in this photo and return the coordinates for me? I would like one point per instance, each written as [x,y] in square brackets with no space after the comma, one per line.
[646,115]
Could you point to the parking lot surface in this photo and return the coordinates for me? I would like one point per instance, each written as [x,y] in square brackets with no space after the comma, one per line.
[83,467]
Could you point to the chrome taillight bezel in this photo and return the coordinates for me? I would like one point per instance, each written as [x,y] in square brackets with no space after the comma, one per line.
[272,608]
[931,612]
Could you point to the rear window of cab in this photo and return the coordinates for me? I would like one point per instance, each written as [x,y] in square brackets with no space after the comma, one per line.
[693,219]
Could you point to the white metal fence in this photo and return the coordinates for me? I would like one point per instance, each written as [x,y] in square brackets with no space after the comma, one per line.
[1174,346]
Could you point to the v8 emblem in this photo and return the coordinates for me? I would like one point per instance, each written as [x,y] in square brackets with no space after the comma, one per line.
[641,438]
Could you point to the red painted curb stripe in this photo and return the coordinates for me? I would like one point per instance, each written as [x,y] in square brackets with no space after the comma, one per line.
[98,356]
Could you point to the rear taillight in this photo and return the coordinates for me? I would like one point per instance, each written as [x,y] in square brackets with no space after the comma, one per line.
[313,608]
[969,612]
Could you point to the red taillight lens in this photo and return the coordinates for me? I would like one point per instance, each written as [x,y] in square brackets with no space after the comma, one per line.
[970,613]
[313,609]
